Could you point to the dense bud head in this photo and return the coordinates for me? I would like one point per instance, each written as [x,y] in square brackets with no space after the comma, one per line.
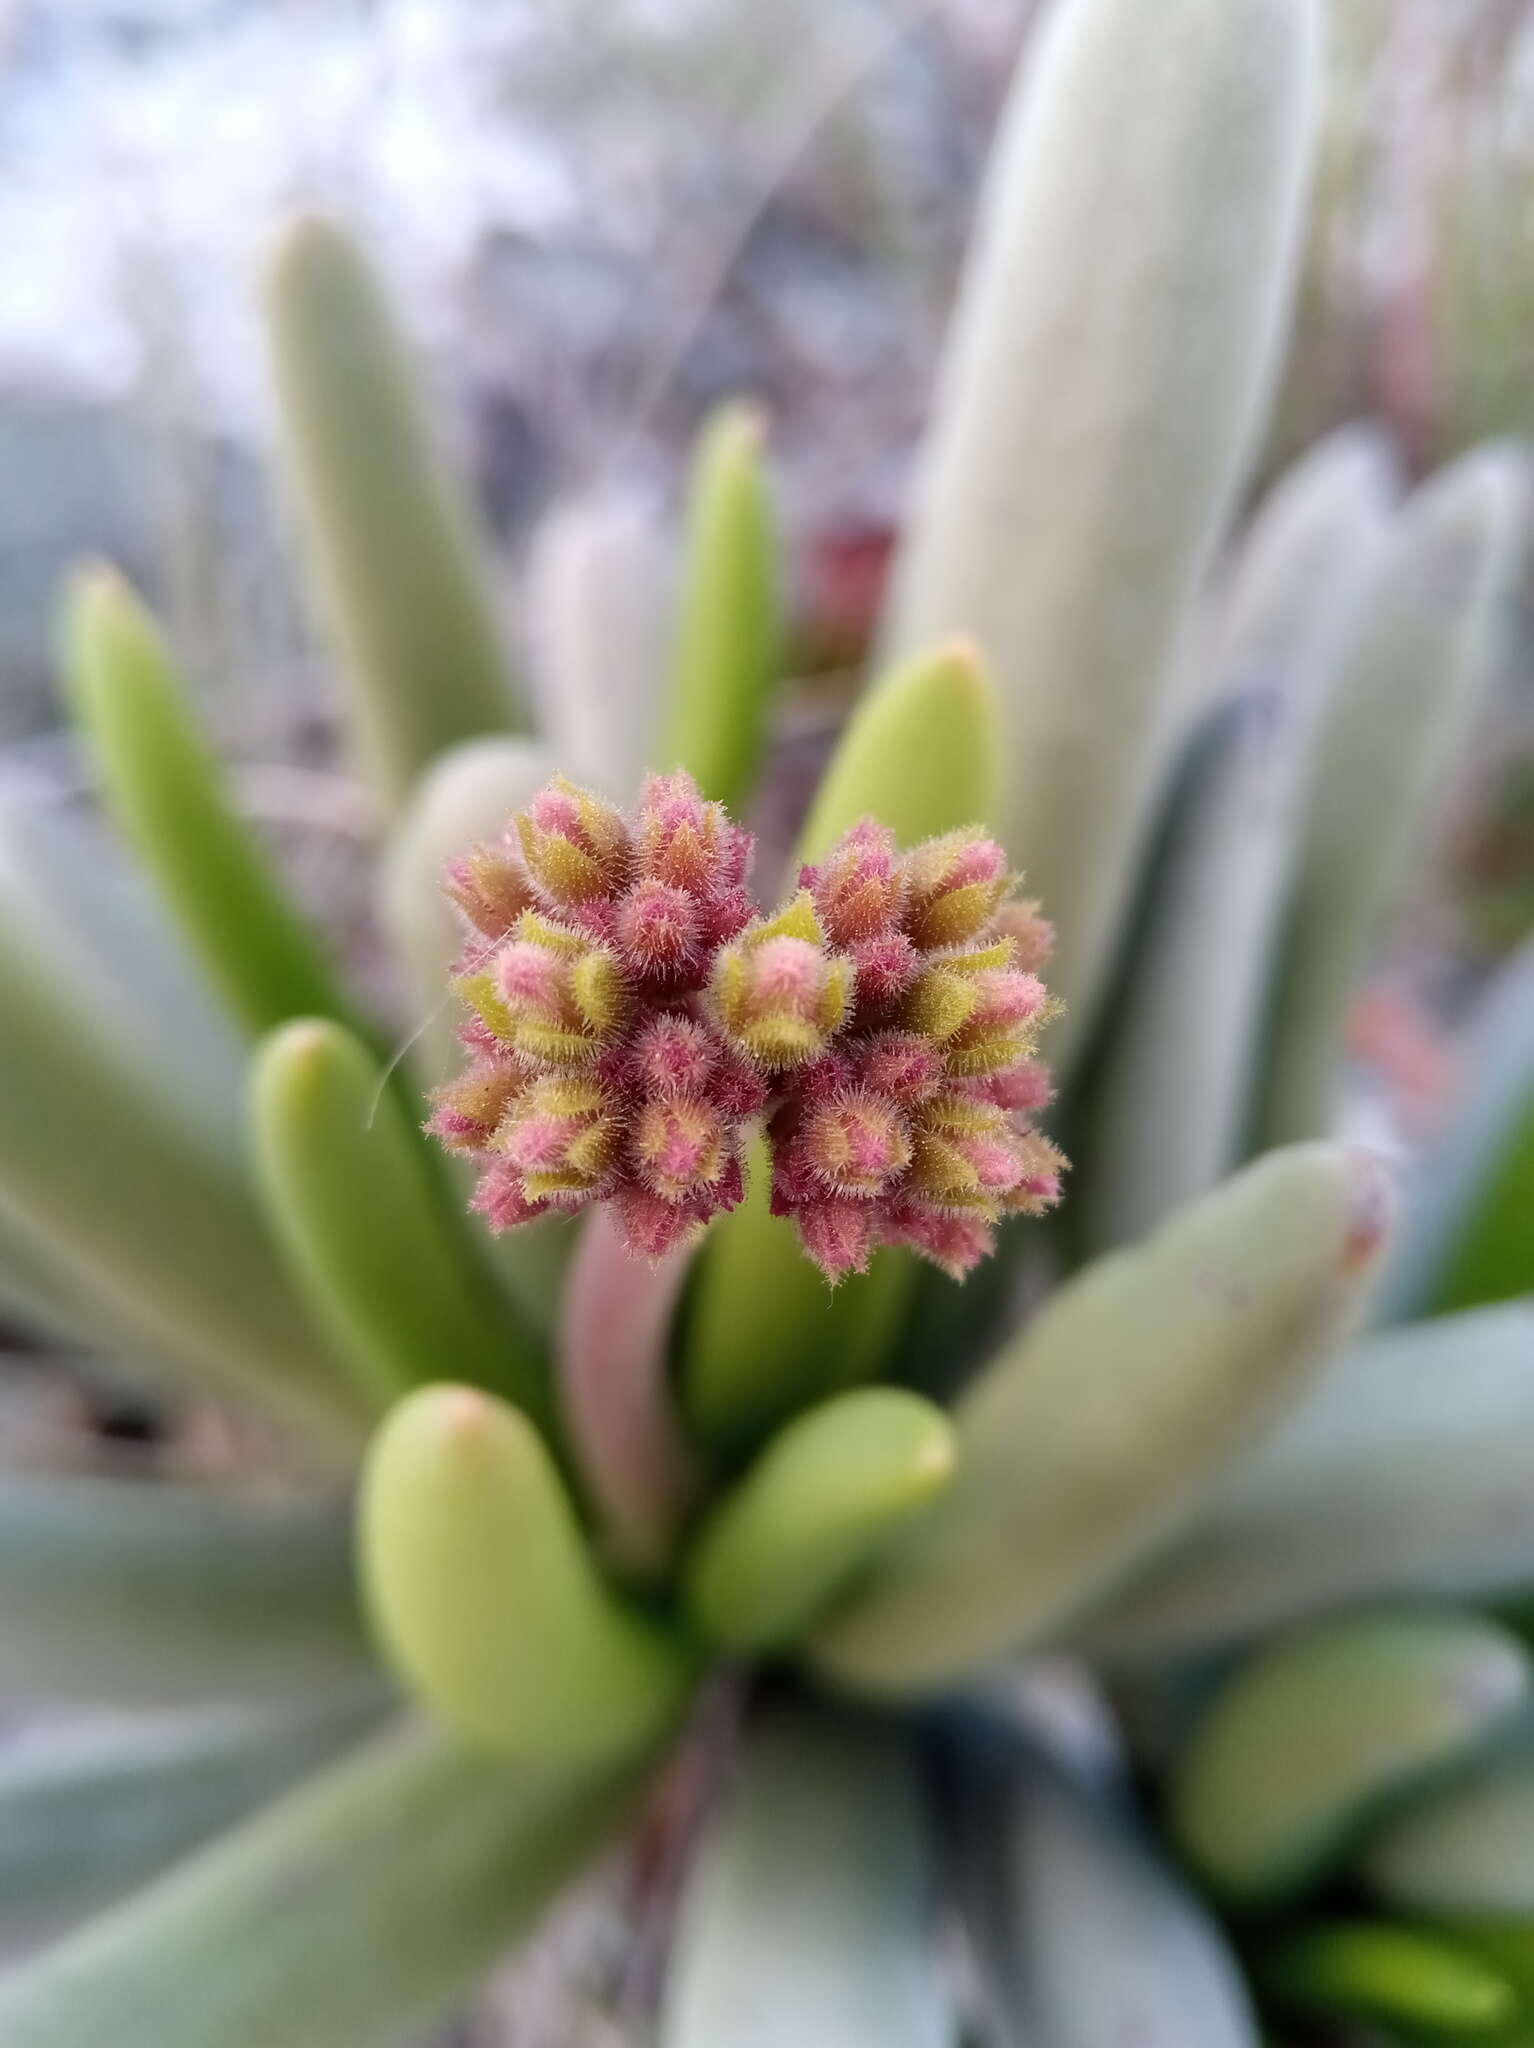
[469,1110]
[575,847]
[680,1146]
[659,931]
[688,842]
[778,993]
[859,888]
[638,1014]
[564,997]
[563,1137]
[953,887]
[855,1143]
[490,886]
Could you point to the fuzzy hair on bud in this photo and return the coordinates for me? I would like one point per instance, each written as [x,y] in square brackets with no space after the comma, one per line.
[632,1014]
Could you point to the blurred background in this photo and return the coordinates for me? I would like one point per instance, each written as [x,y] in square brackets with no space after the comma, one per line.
[598,218]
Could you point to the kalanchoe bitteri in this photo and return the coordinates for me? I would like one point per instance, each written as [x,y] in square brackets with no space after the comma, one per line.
[631,1016]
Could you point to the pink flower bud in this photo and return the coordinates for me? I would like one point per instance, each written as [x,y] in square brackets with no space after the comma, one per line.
[491,888]
[837,1235]
[575,846]
[778,995]
[955,1244]
[469,1110]
[1002,1027]
[652,1227]
[856,1143]
[859,888]
[679,1147]
[688,842]
[966,1153]
[1025,1088]
[899,1064]
[885,967]
[565,999]
[563,1137]
[954,885]
[674,1054]
[659,933]
[1031,933]
[501,1200]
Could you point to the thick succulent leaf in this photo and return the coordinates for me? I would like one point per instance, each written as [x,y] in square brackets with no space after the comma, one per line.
[1372,1970]
[728,629]
[806,1917]
[616,1399]
[1407,675]
[1405,1471]
[1295,575]
[1081,1936]
[102,1164]
[355,1910]
[112,937]
[371,1230]
[1111,362]
[487,1598]
[1462,1848]
[1309,1740]
[92,1808]
[1171,1095]
[166,790]
[764,1334]
[920,753]
[404,591]
[1093,1436]
[815,1509]
[597,597]
[128,1593]
[468,796]
[1465,1236]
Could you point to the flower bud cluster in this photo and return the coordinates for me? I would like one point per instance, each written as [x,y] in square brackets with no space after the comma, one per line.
[631,1017]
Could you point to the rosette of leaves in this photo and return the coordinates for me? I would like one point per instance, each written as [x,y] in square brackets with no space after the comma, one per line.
[601,1493]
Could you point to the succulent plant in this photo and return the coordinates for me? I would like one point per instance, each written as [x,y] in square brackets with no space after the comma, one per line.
[631,1456]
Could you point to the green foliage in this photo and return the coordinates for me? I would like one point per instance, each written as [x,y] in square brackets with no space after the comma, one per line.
[404,593]
[166,790]
[728,632]
[354,1908]
[1407,677]
[1113,353]
[806,1915]
[1098,1431]
[356,1201]
[815,1509]
[1308,1741]
[487,1598]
